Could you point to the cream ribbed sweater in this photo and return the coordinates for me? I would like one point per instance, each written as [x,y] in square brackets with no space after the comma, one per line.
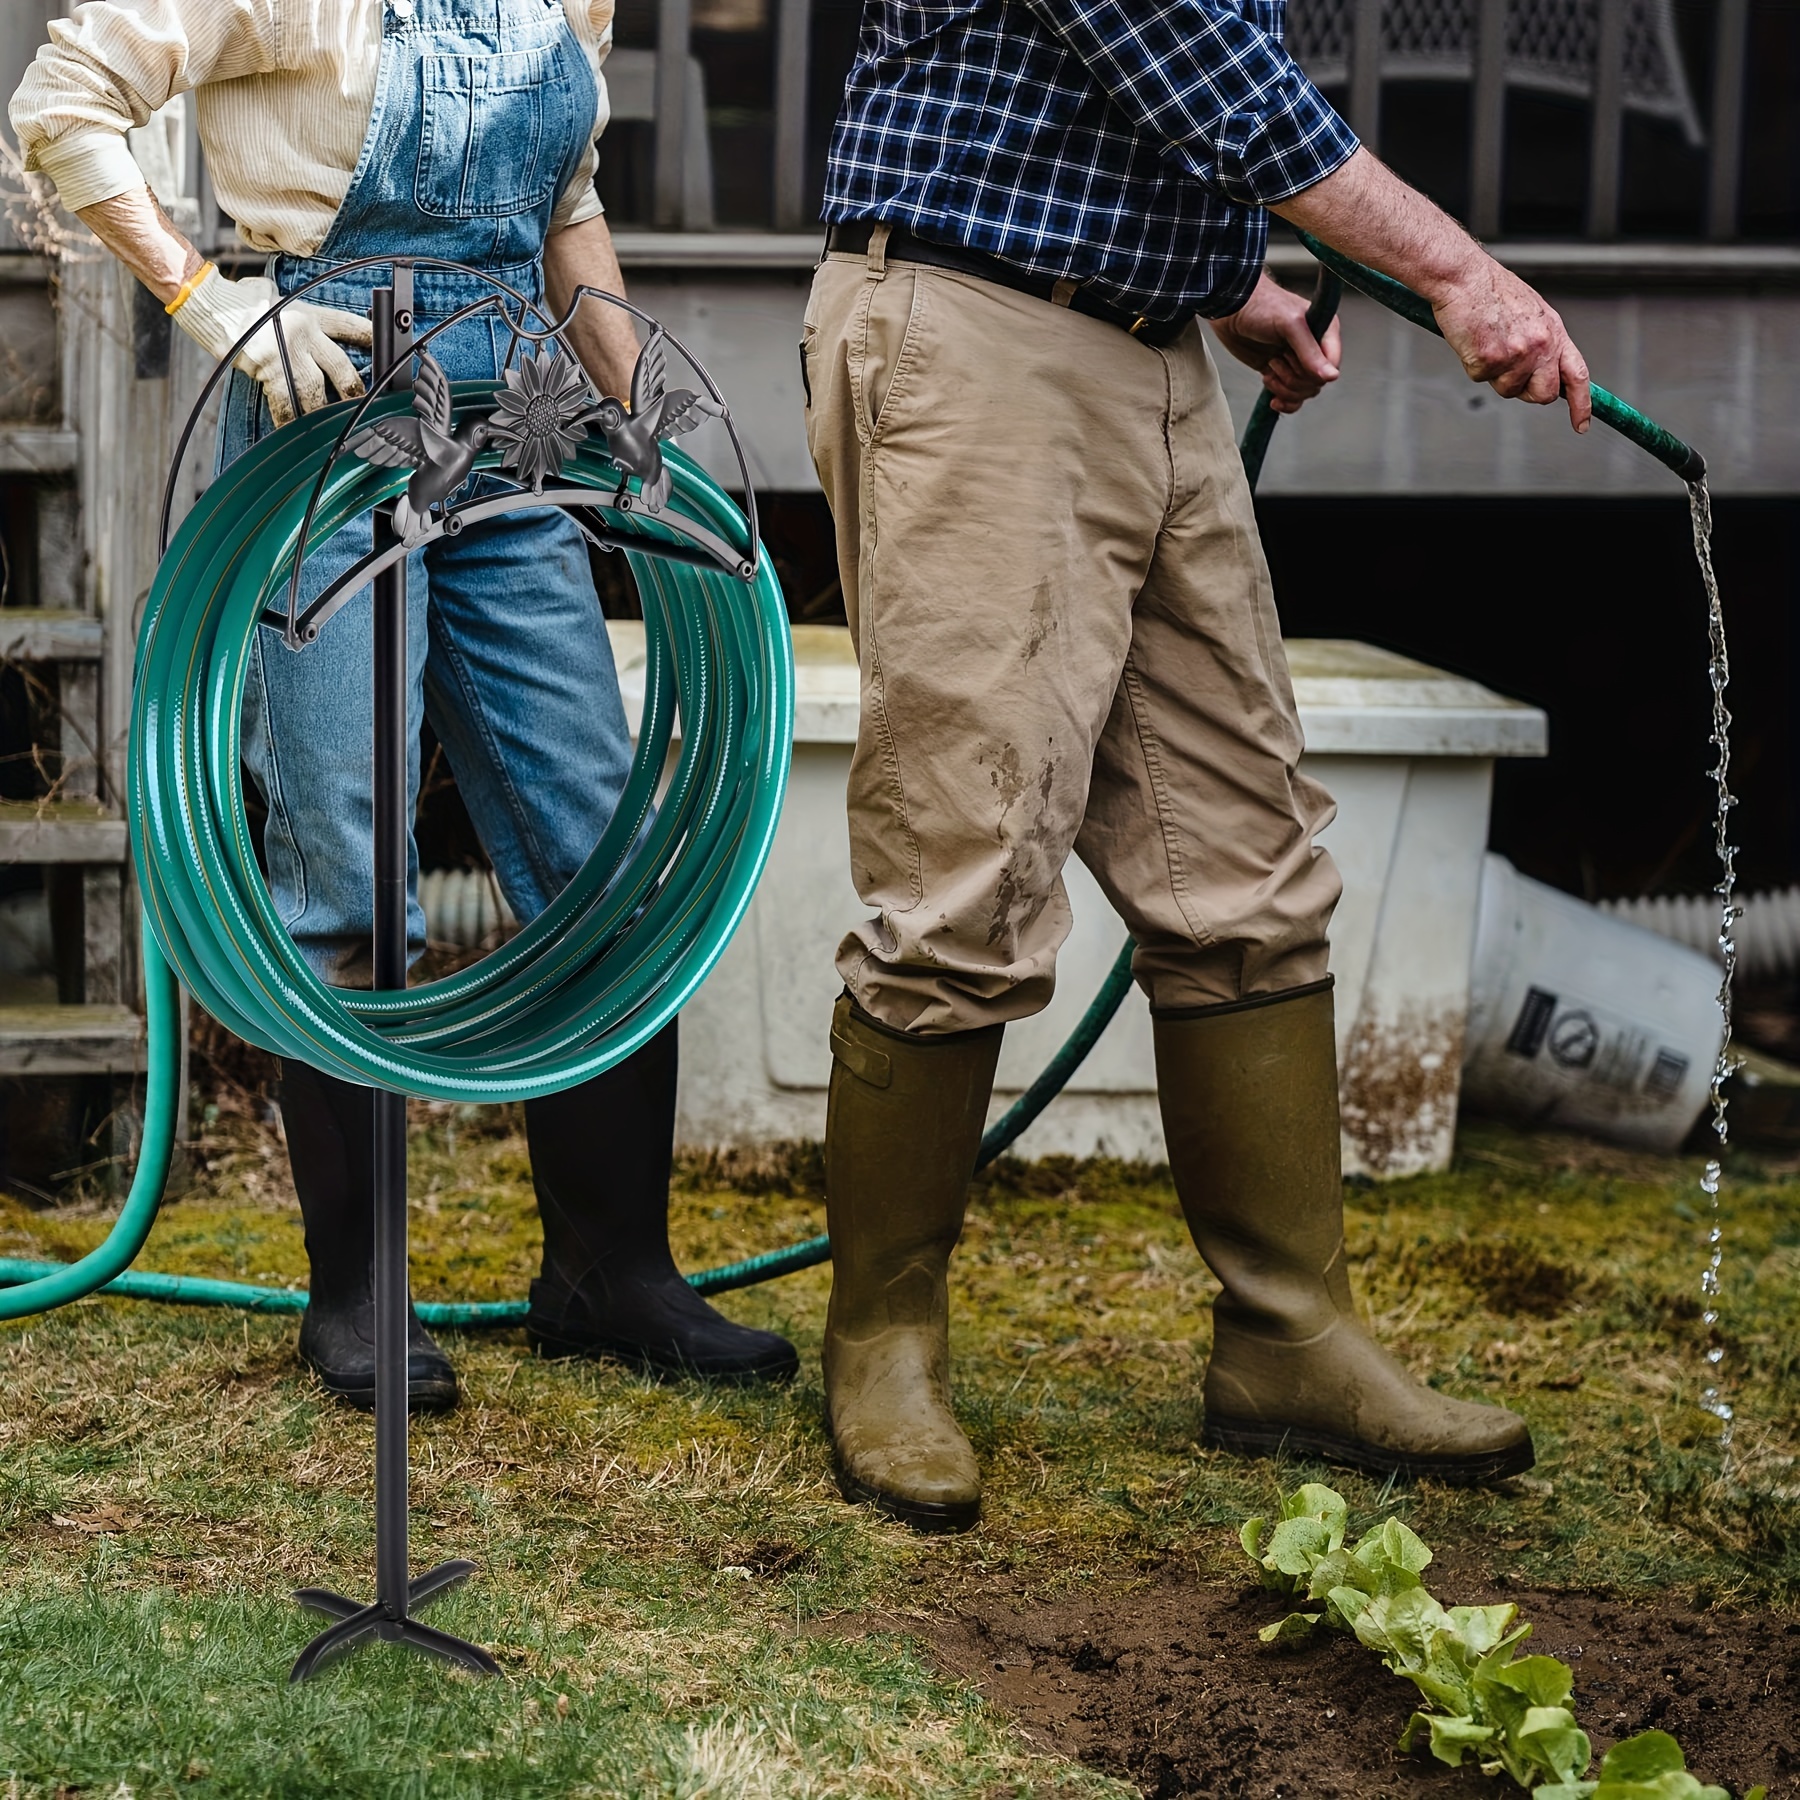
[283,90]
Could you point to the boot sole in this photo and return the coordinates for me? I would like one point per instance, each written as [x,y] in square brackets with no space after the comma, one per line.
[1252,1438]
[421,1396]
[932,1518]
[775,1369]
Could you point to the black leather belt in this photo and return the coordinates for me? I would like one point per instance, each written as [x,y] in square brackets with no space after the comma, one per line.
[904,246]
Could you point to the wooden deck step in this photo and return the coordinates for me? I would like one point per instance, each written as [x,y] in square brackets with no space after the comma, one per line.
[60,831]
[70,1040]
[37,450]
[45,634]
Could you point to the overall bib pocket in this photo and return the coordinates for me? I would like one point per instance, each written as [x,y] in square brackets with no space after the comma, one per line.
[494,132]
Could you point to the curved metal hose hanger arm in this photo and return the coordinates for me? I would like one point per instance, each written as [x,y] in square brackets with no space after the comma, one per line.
[552,330]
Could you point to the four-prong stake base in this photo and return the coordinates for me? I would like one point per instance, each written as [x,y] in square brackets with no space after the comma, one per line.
[356,1621]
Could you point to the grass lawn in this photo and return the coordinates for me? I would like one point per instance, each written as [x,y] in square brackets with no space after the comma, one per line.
[665,1572]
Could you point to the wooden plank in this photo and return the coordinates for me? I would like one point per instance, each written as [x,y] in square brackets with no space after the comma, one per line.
[102,946]
[1731,46]
[60,564]
[70,1040]
[1365,72]
[78,716]
[24,25]
[792,44]
[49,634]
[37,450]
[1487,131]
[789,250]
[673,25]
[30,373]
[72,831]
[1607,142]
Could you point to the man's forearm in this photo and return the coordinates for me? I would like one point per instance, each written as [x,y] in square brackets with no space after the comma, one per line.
[1365,210]
[1505,333]
[144,238]
[604,336]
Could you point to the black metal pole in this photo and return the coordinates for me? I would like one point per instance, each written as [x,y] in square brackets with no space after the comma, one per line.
[391,1560]
[396,1594]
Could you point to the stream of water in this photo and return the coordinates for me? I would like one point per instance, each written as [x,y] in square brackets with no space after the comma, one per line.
[1719,675]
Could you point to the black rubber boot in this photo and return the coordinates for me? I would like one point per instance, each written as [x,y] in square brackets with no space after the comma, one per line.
[330,1127]
[600,1157]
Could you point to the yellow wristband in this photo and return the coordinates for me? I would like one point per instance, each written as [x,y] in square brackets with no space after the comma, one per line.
[185,292]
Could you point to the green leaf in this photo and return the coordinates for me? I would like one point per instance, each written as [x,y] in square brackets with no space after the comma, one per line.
[1387,1561]
[1314,1500]
[1451,1739]
[1565,1790]
[1327,1573]
[1404,1547]
[1296,1627]
[1296,1544]
[1250,1536]
[1643,1758]
[1651,1766]
[1343,1605]
[1550,1737]
[1413,1636]
[1676,1785]
[1539,1680]
[1485,1628]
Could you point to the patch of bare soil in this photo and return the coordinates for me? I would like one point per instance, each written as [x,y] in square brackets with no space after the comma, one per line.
[1167,1687]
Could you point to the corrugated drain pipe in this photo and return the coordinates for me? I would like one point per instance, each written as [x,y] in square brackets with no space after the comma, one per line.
[1768,935]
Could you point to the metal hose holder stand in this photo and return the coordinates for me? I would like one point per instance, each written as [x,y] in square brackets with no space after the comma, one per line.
[524,432]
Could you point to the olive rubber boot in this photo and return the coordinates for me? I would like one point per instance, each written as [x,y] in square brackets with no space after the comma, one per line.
[901,1137]
[1250,1110]
[330,1128]
[600,1156]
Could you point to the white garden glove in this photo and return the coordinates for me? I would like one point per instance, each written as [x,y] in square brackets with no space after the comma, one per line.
[216,311]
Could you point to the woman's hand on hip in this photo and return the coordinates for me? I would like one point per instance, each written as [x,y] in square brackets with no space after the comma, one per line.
[218,311]
[215,311]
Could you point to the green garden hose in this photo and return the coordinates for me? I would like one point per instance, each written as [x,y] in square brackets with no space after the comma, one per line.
[587,981]
[596,975]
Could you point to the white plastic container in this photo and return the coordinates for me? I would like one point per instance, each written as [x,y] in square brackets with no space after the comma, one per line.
[1580,1020]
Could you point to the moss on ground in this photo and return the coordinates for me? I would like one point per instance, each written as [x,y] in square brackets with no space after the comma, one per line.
[660,1565]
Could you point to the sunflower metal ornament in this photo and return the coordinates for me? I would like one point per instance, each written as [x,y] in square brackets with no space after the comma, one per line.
[540,416]
[544,411]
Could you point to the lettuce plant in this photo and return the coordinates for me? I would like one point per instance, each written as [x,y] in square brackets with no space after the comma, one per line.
[1511,1713]
[1647,1767]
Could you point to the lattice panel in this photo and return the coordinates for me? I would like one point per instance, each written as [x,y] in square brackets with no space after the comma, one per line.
[1550,47]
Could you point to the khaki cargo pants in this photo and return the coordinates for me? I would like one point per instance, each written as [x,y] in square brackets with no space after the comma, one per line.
[1068,642]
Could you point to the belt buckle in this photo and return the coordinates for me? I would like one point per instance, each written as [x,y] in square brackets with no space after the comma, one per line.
[1136,325]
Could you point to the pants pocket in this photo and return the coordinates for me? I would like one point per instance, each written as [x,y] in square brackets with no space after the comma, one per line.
[493,132]
[892,334]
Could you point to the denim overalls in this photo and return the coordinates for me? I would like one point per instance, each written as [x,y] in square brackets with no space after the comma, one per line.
[482,114]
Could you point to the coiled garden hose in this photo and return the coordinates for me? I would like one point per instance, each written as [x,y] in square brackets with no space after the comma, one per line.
[588,981]
[495,1033]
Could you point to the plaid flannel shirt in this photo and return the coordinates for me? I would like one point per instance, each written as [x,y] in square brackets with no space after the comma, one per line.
[1130,145]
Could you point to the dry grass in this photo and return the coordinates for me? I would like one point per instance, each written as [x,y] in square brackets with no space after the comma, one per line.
[659,1557]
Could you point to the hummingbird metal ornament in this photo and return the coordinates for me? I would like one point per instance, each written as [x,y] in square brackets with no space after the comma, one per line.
[439,457]
[634,437]
[541,414]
